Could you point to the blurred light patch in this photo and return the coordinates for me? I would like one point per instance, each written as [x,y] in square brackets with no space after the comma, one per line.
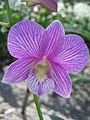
[15,4]
[82,10]
[60,6]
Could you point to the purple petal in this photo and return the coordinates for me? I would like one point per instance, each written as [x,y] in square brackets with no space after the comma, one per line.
[49,4]
[40,87]
[73,53]
[55,31]
[27,39]
[63,83]
[18,71]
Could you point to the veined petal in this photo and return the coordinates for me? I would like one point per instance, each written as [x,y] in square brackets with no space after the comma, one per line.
[49,4]
[73,53]
[55,31]
[40,87]
[18,71]
[63,83]
[27,39]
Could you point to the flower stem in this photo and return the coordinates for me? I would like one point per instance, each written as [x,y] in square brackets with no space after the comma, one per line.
[25,102]
[8,12]
[38,107]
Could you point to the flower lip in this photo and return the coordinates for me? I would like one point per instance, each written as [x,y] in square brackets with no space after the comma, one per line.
[40,79]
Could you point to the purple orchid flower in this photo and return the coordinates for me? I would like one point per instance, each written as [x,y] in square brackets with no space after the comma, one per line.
[51,5]
[45,57]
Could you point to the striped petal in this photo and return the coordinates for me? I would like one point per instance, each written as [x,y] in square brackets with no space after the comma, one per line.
[49,4]
[18,71]
[55,31]
[40,87]
[27,39]
[72,53]
[63,84]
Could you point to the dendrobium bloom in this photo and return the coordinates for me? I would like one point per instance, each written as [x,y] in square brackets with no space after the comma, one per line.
[45,57]
[51,5]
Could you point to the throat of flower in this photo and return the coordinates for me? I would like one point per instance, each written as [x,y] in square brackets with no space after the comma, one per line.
[42,69]
[40,75]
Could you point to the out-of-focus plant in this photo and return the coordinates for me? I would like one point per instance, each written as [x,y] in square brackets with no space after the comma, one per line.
[80,78]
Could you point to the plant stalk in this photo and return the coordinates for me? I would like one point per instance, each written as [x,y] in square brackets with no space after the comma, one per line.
[25,102]
[8,12]
[38,107]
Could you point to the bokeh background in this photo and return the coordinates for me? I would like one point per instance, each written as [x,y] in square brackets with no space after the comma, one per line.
[75,16]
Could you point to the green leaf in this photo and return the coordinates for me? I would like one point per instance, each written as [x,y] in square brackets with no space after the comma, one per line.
[80,78]
[4,24]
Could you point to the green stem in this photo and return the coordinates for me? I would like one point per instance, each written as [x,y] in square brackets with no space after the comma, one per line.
[38,107]
[8,12]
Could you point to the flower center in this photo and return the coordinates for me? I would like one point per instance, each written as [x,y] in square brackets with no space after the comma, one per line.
[42,69]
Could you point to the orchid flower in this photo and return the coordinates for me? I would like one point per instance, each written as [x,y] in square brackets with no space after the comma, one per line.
[51,5]
[45,57]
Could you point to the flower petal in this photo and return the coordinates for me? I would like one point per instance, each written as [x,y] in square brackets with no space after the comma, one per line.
[63,83]
[55,31]
[40,87]
[18,71]
[73,53]
[27,39]
[49,4]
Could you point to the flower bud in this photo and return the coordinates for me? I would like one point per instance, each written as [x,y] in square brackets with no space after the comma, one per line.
[51,5]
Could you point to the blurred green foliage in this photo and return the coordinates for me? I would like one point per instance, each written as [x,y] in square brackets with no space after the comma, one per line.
[71,22]
[80,78]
